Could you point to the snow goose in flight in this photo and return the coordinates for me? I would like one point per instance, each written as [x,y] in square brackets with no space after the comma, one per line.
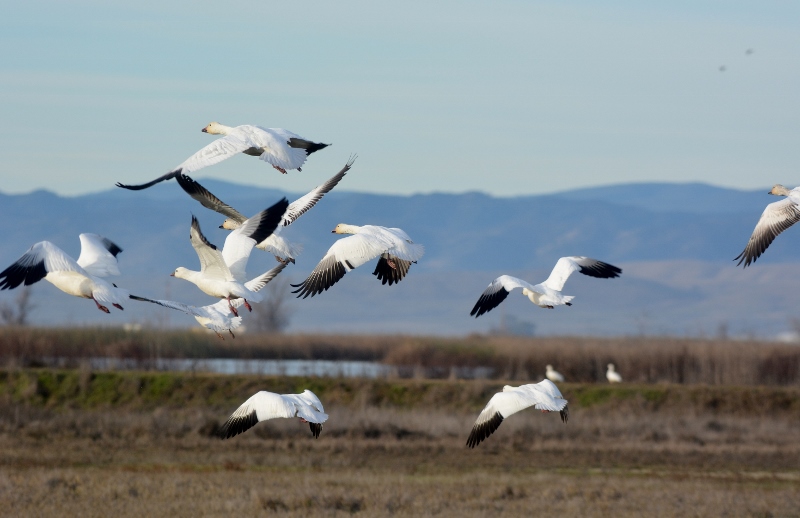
[275,244]
[612,375]
[222,274]
[776,218]
[217,317]
[81,278]
[268,405]
[554,375]
[548,293]
[282,149]
[396,251]
[544,396]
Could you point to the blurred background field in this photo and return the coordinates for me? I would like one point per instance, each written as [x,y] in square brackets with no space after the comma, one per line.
[90,426]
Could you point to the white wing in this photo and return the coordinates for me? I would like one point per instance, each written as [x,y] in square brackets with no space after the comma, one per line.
[268,405]
[585,265]
[309,408]
[259,407]
[346,254]
[241,241]
[224,147]
[42,258]
[301,205]
[509,402]
[497,292]
[776,218]
[278,151]
[98,255]
[253,285]
[215,316]
[212,264]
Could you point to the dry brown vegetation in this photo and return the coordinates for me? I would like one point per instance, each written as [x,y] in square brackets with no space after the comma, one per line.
[75,442]
[580,359]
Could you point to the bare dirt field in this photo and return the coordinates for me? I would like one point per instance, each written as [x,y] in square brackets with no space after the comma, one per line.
[139,444]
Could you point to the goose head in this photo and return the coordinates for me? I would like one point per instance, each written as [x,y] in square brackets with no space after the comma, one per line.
[180,272]
[230,224]
[611,367]
[343,228]
[779,190]
[215,128]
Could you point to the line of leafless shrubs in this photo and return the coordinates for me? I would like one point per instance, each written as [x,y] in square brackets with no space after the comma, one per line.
[579,359]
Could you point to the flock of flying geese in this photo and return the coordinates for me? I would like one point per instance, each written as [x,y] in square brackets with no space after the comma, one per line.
[222,272]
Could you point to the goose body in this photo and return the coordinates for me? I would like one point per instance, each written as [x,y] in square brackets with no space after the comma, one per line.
[81,278]
[612,375]
[275,244]
[218,317]
[776,218]
[281,148]
[395,249]
[553,375]
[544,396]
[548,293]
[222,273]
[264,405]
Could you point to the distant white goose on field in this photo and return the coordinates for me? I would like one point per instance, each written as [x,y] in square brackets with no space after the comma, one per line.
[544,396]
[275,243]
[548,293]
[81,278]
[222,274]
[776,218]
[612,375]
[394,247]
[268,405]
[553,375]
[282,149]
[218,317]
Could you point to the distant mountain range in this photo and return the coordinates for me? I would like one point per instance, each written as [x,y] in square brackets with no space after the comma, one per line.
[675,243]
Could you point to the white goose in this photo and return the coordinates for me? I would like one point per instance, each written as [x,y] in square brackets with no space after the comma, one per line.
[553,375]
[282,149]
[275,243]
[548,293]
[81,278]
[396,251]
[776,218]
[222,274]
[612,375]
[217,317]
[544,396]
[268,405]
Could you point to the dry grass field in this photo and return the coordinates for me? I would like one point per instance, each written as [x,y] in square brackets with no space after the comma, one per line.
[78,443]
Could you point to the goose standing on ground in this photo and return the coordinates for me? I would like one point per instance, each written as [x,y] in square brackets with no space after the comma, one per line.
[222,274]
[396,251]
[282,149]
[81,278]
[554,375]
[544,396]
[548,293]
[612,375]
[268,405]
[776,218]
[217,317]
[275,243]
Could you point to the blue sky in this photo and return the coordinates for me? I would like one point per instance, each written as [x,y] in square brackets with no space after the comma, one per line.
[508,98]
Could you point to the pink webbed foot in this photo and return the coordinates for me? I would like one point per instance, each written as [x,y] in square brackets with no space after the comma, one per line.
[118,306]
[247,305]
[281,169]
[233,309]
[101,307]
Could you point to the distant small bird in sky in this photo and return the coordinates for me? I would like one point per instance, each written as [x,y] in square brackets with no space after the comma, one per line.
[723,68]
[748,52]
